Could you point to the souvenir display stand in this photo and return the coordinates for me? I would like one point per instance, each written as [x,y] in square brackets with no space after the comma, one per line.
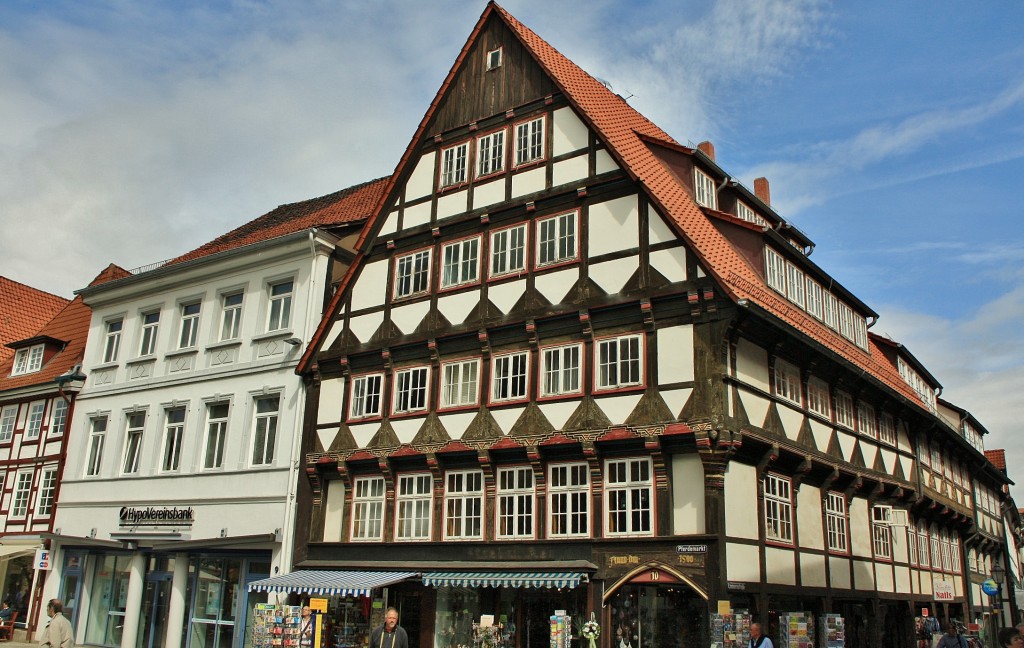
[833,631]
[561,631]
[796,630]
[730,630]
[276,626]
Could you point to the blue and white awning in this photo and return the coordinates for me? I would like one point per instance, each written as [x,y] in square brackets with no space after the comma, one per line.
[560,579]
[329,582]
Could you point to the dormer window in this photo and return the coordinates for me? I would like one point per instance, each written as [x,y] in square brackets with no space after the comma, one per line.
[746,213]
[28,360]
[494,59]
[704,190]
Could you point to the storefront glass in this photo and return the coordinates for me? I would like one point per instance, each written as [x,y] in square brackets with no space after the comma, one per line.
[70,585]
[457,609]
[660,616]
[18,584]
[214,602]
[109,596]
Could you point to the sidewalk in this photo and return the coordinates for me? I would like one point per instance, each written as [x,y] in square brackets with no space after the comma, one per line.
[18,641]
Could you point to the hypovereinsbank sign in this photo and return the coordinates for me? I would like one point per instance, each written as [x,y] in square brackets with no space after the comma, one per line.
[162,516]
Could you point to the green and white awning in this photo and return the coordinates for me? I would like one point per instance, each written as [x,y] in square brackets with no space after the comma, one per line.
[330,582]
[550,579]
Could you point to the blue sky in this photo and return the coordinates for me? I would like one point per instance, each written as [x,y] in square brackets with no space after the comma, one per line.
[892,134]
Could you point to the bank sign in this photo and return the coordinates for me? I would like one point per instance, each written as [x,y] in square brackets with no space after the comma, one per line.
[156,516]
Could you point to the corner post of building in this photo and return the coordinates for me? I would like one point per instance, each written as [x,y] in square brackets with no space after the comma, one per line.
[133,601]
[715,463]
[176,604]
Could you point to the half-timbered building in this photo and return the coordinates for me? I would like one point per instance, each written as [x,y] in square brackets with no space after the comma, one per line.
[576,366]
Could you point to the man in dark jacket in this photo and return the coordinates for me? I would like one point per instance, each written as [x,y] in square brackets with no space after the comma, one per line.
[390,634]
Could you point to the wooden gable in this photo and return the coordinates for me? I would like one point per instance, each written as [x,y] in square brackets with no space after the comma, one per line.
[476,92]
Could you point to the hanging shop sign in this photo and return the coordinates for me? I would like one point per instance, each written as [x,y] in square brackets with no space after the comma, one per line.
[156,516]
[990,587]
[944,590]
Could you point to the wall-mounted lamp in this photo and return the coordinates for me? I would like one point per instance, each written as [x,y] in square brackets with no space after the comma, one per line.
[72,375]
[294,341]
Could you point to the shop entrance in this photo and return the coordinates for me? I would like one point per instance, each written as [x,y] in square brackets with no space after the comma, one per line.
[155,600]
[655,608]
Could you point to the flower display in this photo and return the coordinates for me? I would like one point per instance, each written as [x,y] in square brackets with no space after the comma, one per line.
[591,631]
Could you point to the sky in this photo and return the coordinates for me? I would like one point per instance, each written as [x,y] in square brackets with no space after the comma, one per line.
[892,135]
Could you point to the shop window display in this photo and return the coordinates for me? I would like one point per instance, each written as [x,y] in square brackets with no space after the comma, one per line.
[214,605]
[656,617]
[109,596]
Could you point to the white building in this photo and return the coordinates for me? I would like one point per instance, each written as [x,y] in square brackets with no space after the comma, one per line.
[180,481]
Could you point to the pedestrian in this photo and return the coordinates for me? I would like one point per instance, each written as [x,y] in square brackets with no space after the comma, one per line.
[306,628]
[758,638]
[389,634]
[952,638]
[57,633]
[1011,637]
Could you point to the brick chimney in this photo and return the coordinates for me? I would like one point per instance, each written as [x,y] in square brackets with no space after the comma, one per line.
[708,149]
[762,191]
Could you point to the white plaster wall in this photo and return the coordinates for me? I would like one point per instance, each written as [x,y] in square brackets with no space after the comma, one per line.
[675,354]
[860,528]
[569,133]
[332,395]
[742,563]
[489,193]
[371,286]
[574,170]
[421,182]
[416,215]
[812,570]
[453,203]
[671,263]
[456,306]
[755,405]
[504,295]
[334,510]
[687,494]
[612,275]
[364,326]
[618,408]
[658,230]
[604,162]
[408,316]
[741,501]
[863,575]
[839,572]
[884,578]
[614,226]
[528,182]
[752,364]
[555,285]
[792,419]
[780,566]
[808,515]
[390,225]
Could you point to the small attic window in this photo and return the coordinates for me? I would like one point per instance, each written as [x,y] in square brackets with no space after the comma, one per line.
[494,59]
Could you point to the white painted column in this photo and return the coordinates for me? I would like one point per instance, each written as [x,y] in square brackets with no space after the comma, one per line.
[133,604]
[176,606]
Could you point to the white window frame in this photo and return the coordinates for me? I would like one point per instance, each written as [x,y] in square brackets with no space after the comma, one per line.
[747,213]
[510,377]
[368,495]
[795,284]
[493,59]
[22,494]
[231,304]
[508,250]
[778,509]
[629,497]
[28,360]
[844,409]
[279,304]
[569,500]
[561,370]
[149,333]
[173,439]
[215,438]
[490,153]
[265,430]
[629,368]
[836,524]
[412,273]
[704,190]
[515,503]
[787,381]
[881,531]
[8,421]
[454,165]
[414,497]
[411,390]
[887,428]
[34,420]
[866,424]
[529,140]
[557,239]
[134,435]
[112,339]
[460,383]
[367,396]
[774,270]
[818,400]
[814,298]
[58,417]
[46,496]
[830,308]
[188,337]
[463,505]
[97,437]
[460,262]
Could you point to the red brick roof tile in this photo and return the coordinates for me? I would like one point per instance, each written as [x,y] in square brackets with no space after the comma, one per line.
[351,205]
[23,310]
[997,458]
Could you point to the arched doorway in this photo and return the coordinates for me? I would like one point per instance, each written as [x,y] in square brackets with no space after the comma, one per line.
[654,606]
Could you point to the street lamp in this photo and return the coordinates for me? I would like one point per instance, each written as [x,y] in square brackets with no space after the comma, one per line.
[997,575]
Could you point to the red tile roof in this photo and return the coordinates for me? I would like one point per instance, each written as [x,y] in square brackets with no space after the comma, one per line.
[631,138]
[997,458]
[350,205]
[71,326]
[23,310]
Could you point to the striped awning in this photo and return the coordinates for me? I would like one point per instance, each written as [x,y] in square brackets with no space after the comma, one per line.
[559,579]
[330,582]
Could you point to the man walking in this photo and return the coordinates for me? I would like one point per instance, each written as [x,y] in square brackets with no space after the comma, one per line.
[57,633]
[390,634]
